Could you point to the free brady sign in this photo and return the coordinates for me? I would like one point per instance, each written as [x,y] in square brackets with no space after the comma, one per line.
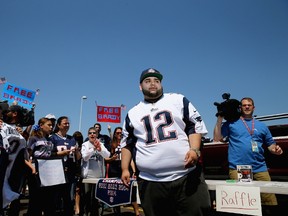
[108,114]
[24,97]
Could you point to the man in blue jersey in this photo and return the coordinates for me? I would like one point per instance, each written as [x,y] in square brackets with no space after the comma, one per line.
[163,132]
[246,137]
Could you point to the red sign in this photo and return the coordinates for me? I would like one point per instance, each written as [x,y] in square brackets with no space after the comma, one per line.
[108,114]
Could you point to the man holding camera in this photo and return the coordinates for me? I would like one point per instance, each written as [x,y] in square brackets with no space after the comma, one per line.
[246,136]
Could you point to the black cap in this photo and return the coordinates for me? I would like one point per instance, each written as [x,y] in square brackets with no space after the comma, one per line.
[150,72]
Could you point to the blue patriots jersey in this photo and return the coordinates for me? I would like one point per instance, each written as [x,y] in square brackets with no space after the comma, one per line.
[61,144]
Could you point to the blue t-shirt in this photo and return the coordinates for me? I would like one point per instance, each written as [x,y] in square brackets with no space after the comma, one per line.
[240,143]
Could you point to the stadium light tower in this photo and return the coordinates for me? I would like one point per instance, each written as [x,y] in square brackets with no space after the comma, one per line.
[81,105]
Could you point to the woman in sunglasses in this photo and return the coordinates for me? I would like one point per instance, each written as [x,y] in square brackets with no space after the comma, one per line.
[93,166]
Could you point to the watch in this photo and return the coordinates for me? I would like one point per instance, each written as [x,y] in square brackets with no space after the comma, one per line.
[197,151]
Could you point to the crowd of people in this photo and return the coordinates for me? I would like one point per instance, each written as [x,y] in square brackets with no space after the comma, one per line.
[159,145]
[49,140]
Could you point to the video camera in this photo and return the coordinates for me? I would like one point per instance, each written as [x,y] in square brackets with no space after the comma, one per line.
[229,109]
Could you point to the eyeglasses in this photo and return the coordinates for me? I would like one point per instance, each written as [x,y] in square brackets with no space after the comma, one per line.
[92,133]
[118,133]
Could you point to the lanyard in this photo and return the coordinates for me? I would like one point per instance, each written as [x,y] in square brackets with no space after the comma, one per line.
[244,122]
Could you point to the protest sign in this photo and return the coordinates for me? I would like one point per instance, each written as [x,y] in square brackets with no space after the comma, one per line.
[24,97]
[108,114]
[51,172]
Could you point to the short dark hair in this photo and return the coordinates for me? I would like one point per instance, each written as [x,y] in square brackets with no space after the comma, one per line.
[98,125]
[249,99]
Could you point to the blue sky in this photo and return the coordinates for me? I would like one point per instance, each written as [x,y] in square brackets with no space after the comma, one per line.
[98,48]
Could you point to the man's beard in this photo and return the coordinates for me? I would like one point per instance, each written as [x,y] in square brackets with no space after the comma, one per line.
[154,95]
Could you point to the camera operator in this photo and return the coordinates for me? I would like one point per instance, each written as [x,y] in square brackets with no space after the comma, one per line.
[246,136]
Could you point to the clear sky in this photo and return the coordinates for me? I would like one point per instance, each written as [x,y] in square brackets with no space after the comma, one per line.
[98,48]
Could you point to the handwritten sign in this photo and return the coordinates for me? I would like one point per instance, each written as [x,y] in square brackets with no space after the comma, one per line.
[113,192]
[238,199]
[51,172]
[23,96]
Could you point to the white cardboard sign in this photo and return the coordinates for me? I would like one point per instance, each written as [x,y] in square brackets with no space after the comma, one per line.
[238,199]
[51,172]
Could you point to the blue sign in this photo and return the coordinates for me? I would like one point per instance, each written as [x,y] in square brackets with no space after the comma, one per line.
[23,97]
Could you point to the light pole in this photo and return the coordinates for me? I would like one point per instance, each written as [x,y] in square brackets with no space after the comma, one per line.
[80,118]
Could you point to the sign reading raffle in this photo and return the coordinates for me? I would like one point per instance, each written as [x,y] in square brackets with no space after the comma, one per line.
[113,192]
[108,114]
[238,199]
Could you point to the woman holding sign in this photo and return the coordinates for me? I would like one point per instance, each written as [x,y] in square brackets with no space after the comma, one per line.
[41,199]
